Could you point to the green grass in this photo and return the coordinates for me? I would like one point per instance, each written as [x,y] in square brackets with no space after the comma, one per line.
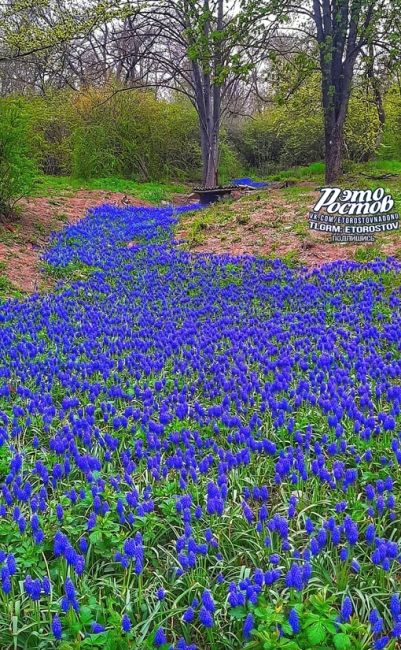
[312,172]
[291,259]
[381,166]
[154,192]
[72,272]
[52,186]
[367,253]
[295,193]
[8,237]
[7,288]
[198,222]
[315,171]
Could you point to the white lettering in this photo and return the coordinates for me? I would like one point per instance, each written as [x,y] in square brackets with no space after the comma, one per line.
[330,194]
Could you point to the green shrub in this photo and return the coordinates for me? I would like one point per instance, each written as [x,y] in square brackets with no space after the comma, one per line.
[17,169]
[51,121]
[361,128]
[289,132]
[230,165]
[390,147]
[92,153]
[284,134]
[130,134]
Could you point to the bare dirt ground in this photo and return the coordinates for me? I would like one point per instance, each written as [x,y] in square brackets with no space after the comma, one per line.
[23,240]
[272,223]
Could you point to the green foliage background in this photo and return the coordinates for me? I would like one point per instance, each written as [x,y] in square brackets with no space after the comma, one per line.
[104,132]
[17,168]
[289,132]
[134,135]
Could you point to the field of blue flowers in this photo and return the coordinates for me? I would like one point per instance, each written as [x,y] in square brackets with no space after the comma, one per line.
[199,451]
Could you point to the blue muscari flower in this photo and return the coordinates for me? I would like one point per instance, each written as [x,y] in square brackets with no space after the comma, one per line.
[65,604]
[321,538]
[11,564]
[205,617]
[309,527]
[248,625]
[346,609]
[160,637]
[125,623]
[46,586]
[335,536]
[351,531]
[370,533]
[293,620]
[396,631]
[373,616]
[97,628]
[130,547]
[69,589]
[91,521]
[207,601]
[294,578]
[6,584]
[160,593]
[370,492]
[314,546]
[395,606]
[60,544]
[59,512]
[376,622]
[188,615]
[56,627]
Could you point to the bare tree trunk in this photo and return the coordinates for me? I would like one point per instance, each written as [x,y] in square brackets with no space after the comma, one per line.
[339,45]
[333,155]
[334,118]
[210,157]
[208,104]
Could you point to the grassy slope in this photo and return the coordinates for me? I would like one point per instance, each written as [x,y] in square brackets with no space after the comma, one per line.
[227,219]
[153,192]
[315,171]
[221,217]
[63,187]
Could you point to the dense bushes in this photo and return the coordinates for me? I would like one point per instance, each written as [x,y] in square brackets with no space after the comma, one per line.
[289,131]
[134,135]
[16,165]
[284,133]
[390,147]
[361,128]
[129,134]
